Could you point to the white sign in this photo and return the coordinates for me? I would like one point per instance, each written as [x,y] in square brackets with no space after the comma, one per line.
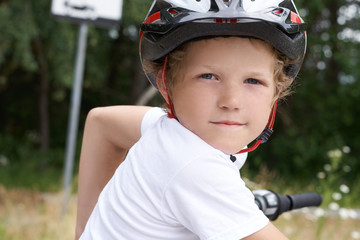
[104,13]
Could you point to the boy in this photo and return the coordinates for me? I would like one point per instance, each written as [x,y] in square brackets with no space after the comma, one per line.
[220,66]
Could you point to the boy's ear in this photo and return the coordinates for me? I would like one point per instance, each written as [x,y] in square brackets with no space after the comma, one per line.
[161,86]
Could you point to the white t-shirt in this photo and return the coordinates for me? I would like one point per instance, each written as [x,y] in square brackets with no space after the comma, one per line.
[174,186]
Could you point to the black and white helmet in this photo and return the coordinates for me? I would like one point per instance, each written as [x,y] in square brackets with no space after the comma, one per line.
[171,23]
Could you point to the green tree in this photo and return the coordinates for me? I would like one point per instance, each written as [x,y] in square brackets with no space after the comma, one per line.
[321,114]
[37,54]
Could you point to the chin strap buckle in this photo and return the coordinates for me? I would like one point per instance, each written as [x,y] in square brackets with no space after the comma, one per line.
[265,135]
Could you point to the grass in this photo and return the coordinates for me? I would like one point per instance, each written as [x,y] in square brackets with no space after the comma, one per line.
[32,215]
[31,204]
[35,170]
[307,226]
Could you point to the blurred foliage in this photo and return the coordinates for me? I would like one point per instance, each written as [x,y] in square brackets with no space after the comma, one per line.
[37,50]
[320,117]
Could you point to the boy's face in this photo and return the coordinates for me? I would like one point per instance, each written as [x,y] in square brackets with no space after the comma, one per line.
[225,91]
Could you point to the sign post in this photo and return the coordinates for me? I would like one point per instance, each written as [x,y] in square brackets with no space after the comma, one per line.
[74,113]
[104,13]
[107,14]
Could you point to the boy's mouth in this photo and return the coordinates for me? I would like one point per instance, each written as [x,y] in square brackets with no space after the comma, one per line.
[227,123]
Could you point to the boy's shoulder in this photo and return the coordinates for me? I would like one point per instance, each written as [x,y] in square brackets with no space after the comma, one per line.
[151,117]
[170,135]
[170,139]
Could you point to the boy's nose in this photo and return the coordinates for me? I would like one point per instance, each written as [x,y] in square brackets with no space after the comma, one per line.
[230,98]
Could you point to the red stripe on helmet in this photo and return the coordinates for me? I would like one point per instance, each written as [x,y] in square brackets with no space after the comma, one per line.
[173,11]
[279,11]
[295,18]
[152,18]
[225,20]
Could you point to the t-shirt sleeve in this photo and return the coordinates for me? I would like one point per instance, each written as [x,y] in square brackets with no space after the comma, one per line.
[212,201]
[151,117]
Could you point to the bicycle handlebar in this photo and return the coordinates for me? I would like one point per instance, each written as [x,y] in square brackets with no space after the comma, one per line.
[273,204]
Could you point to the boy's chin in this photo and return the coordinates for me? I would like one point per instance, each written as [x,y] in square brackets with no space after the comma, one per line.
[230,150]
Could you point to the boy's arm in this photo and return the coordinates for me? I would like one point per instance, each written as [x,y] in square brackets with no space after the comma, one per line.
[266,233]
[109,133]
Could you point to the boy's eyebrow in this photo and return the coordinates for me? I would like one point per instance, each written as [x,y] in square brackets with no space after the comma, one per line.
[260,73]
[256,73]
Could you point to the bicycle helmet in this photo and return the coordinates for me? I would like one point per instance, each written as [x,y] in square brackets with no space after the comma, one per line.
[171,23]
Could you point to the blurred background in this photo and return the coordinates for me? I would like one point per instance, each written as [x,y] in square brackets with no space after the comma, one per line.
[315,147]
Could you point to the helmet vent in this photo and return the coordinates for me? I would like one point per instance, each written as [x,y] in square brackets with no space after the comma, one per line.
[173,12]
[278,11]
[227,2]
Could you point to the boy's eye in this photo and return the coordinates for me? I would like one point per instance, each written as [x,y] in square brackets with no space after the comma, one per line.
[252,81]
[208,76]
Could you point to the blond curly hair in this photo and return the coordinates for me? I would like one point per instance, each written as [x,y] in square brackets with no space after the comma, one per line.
[173,70]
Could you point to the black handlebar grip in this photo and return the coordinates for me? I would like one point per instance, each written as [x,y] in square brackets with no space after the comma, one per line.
[285,204]
[301,200]
[273,204]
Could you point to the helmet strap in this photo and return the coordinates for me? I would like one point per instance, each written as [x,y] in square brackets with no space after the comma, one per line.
[169,105]
[266,133]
